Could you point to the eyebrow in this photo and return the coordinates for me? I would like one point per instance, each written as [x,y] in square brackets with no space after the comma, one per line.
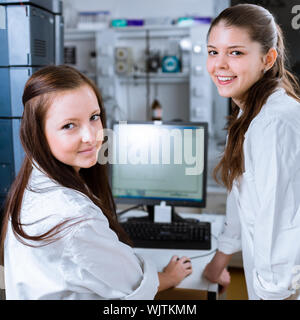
[230,47]
[75,119]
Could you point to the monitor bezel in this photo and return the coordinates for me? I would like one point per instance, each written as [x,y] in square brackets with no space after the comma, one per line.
[175,203]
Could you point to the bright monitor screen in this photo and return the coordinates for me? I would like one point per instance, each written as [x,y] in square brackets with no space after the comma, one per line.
[157,161]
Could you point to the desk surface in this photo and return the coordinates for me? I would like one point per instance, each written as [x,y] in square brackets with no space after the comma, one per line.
[161,257]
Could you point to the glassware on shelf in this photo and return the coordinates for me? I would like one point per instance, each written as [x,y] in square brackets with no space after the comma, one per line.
[156,110]
[90,20]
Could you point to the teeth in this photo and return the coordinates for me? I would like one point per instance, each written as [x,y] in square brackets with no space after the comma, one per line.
[225,78]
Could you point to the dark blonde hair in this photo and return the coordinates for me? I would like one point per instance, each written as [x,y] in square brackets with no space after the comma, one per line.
[262,28]
[39,91]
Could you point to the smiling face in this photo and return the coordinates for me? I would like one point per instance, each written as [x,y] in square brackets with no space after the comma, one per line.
[234,62]
[73,127]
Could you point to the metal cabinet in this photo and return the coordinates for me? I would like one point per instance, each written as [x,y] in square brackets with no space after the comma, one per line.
[31,36]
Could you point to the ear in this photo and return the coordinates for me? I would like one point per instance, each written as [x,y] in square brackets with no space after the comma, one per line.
[270,58]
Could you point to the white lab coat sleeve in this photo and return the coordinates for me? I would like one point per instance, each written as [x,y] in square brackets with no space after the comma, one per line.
[276,168]
[229,240]
[94,260]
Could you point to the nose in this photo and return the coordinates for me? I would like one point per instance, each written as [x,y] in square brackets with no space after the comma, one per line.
[88,134]
[221,61]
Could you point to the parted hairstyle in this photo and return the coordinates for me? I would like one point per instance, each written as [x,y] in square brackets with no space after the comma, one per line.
[39,91]
[260,25]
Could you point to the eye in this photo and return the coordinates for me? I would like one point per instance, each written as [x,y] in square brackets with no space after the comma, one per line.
[95,117]
[68,126]
[236,53]
[212,52]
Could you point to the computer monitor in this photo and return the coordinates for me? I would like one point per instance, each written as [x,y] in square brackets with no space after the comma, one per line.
[159,161]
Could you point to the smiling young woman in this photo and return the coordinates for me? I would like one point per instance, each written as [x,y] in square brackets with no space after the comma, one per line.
[260,166]
[60,237]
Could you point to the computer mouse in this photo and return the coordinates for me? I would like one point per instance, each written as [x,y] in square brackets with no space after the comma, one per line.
[186,261]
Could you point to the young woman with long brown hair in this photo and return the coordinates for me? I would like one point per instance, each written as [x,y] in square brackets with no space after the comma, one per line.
[260,166]
[60,237]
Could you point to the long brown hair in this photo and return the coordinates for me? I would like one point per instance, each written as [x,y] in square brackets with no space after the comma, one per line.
[39,91]
[262,28]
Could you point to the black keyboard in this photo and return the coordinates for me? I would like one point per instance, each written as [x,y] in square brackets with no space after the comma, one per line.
[175,235]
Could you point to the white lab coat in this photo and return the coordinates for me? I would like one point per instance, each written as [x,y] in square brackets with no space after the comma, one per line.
[263,211]
[89,262]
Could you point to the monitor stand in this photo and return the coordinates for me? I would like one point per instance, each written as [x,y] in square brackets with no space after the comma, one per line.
[174,216]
